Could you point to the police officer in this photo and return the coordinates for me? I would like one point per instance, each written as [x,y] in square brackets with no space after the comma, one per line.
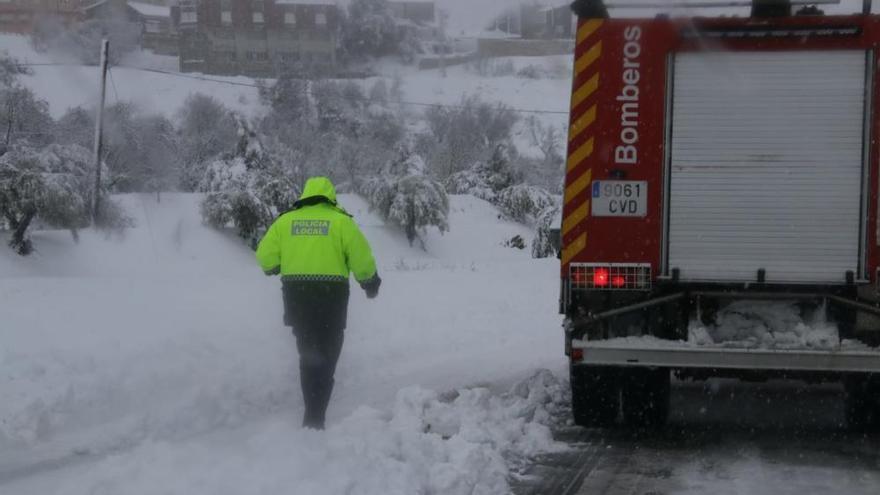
[314,247]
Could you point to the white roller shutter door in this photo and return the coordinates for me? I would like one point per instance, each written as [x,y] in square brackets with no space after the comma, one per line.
[766,165]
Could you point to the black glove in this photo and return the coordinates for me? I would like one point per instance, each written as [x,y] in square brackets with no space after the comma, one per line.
[371,286]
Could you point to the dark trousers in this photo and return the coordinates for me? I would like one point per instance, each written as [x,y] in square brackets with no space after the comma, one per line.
[317,313]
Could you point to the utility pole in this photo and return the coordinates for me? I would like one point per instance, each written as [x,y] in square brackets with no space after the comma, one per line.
[99,133]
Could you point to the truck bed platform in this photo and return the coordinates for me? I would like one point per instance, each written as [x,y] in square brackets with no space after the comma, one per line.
[622,352]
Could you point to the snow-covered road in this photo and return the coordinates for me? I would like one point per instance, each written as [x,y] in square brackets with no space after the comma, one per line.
[724,437]
[161,356]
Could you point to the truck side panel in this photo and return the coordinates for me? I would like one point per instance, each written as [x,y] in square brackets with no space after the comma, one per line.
[618,121]
[616,133]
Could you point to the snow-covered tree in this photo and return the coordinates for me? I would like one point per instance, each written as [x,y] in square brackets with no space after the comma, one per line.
[406,197]
[23,118]
[288,98]
[246,188]
[461,135]
[52,184]
[140,149]
[10,69]
[207,130]
[548,139]
[544,245]
[485,179]
[340,107]
[76,126]
[161,154]
[370,30]
[523,202]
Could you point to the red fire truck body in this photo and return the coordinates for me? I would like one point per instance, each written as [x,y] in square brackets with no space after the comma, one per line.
[711,160]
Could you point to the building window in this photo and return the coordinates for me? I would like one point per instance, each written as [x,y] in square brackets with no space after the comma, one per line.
[188,17]
[321,19]
[226,12]
[227,56]
[257,56]
[257,9]
[290,18]
[152,26]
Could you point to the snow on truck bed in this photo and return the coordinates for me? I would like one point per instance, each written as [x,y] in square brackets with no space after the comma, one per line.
[759,325]
[172,331]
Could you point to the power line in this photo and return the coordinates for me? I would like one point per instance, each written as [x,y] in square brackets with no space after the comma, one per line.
[403,102]
[253,85]
[50,64]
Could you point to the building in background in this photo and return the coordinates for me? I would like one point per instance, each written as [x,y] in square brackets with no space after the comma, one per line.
[559,22]
[538,19]
[159,33]
[21,16]
[418,11]
[256,37]
[118,10]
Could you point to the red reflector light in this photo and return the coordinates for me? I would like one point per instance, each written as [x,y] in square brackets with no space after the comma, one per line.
[610,276]
[577,354]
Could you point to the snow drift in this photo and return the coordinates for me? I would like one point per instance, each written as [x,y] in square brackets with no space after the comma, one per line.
[426,443]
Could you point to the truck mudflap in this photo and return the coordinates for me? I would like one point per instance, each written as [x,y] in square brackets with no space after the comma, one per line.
[647,352]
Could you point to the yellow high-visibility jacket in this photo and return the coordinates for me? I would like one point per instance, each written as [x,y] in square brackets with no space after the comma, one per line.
[317,240]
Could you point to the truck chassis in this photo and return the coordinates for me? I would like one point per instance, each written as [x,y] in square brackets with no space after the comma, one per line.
[610,377]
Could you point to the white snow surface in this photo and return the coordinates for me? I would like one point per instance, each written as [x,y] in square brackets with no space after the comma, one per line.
[165,348]
[767,325]
[69,85]
[425,444]
[747,324]
[150,9]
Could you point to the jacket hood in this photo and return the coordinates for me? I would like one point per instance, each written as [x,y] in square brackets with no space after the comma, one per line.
[319,187]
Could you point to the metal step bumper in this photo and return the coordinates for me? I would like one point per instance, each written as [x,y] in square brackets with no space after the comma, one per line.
[604,353]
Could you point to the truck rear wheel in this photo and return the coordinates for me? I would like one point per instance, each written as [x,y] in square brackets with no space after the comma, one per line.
[595,396]
[646,397]
[862,402]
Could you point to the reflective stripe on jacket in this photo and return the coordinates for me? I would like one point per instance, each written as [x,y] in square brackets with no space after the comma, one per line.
[317,240]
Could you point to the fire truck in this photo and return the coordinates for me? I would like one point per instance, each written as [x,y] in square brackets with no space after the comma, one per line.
[714,160]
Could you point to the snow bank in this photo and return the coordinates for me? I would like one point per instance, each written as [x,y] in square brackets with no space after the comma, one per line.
[426,443]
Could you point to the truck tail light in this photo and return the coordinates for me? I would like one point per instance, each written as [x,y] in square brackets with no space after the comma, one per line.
[610,276]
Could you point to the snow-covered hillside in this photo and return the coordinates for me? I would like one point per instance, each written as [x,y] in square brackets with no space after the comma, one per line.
[65,86]
[172,331]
